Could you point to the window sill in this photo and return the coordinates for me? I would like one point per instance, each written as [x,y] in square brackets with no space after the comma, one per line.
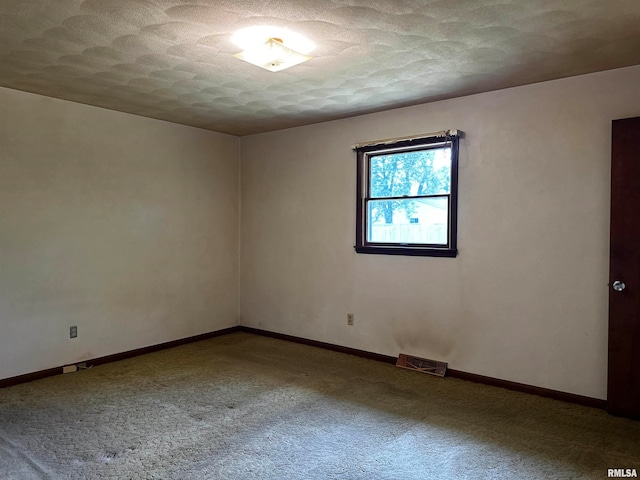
[410,251]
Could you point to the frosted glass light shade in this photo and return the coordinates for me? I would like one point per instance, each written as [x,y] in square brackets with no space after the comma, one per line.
[272,55]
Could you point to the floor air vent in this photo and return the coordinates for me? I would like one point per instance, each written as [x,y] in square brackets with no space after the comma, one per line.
[423,365]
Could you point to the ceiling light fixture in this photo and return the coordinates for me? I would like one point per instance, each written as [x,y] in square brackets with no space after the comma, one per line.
[271,48]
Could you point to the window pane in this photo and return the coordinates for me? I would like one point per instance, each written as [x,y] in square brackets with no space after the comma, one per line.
[425,172]
[422,220]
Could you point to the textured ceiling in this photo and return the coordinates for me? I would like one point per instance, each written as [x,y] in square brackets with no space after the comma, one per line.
[172,59]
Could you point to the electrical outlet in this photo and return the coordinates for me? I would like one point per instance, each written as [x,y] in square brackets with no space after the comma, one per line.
[73,331]
[349,318]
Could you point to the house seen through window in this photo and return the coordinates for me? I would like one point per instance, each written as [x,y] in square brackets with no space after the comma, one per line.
[407,196]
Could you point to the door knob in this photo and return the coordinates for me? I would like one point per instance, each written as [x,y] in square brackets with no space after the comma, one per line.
[618,286]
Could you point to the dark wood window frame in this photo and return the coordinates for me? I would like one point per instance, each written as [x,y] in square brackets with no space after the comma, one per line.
[431,141]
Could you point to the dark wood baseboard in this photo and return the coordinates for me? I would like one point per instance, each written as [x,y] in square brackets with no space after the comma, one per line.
[472,377]
[533,390]
[315,343]
[161,346]
[29,377]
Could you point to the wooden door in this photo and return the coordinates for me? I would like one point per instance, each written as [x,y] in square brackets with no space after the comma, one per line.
[623,389]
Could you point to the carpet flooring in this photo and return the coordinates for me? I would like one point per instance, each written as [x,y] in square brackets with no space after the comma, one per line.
[243,406]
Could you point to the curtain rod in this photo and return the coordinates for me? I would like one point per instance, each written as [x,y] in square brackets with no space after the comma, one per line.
[440,134]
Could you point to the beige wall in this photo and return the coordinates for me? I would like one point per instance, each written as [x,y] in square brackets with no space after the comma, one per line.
[526,300]
[124,226]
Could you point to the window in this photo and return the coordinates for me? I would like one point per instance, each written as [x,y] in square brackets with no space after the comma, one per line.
[407,196]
